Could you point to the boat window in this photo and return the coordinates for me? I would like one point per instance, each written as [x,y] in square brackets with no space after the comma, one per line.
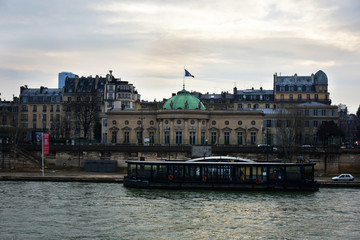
[132,170]
[308,173]
[192,172]
[210,172]
[224,173]
[259,173]
[293,173]
[239,174]
[144,171]
[159,171]
[276,173]
[176,170]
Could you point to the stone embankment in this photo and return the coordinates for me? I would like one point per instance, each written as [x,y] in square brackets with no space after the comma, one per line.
[61,176]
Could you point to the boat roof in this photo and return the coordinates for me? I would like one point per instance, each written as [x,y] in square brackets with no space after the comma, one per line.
[220,159]
[219,163]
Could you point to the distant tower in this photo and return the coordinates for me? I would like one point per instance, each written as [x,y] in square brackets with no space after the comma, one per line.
[62,77]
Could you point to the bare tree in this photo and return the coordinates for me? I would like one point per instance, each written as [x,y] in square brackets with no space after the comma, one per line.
[290,126]
[86,110]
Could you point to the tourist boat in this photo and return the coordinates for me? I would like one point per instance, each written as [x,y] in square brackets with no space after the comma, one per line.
[221,173]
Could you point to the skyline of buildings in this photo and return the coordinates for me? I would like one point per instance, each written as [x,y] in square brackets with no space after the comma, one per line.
[178,119]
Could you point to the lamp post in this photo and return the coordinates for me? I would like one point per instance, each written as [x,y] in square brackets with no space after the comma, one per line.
[79,154]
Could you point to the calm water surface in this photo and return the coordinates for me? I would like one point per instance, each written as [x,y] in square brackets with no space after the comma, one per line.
[47,210]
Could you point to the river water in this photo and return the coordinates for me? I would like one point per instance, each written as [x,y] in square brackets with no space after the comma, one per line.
[50,210]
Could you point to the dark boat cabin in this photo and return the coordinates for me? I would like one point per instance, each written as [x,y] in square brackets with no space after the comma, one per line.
[221,175]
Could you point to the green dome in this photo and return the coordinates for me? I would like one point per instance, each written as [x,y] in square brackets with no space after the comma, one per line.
[183,100]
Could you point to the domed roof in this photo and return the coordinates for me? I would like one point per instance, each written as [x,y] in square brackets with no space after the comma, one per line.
[321,78]
[183,100]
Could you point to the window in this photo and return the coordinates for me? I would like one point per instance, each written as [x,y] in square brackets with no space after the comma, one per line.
[34,117]
[249,105]
[202,138]
[299,97]
[139,137]
[253,138]
[316,123]
[69,99]
[51,108]
[113,137]
[307,112]
[213,138]
[240,106]
[308,97]
[316,97]
[126,138]
[152,137]
[315,112]
[291,97]
[267,105]
[240,138]
[167,138]
[323,112]
[44,117]
[105,122]
[178,138]
[307,124]
[226,122]
[34,108]
[24,108]
[226,138]
[192,138]
[268,123]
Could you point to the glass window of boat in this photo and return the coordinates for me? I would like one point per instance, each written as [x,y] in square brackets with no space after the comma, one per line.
[240,173]
[259,172]
[308,173]
[293,173]
[159,171]
[144,170]
[276,173]
[192,172]
[176,170]
[210,172]
[131,170]
[224,173]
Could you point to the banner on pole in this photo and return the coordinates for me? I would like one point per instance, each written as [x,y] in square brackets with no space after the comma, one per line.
[46,143]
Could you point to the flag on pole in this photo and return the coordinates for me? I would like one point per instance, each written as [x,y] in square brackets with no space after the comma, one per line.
[187,74]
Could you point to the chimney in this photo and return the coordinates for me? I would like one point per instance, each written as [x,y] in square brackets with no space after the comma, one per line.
[41,89]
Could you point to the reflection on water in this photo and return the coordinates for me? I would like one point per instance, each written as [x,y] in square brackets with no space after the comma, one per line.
[46,210]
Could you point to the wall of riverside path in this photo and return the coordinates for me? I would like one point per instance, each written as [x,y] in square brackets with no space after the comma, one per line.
[327,162]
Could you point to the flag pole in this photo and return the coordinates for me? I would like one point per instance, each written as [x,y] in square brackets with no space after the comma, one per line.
[184,78]
[42,153]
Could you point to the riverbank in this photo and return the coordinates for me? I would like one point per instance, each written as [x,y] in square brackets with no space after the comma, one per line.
[62,176]
[113,177]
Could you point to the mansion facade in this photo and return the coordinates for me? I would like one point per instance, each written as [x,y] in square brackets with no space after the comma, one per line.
[297,105]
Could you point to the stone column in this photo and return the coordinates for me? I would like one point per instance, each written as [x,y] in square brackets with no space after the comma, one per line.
[172,131]
[186,132]
[198,132]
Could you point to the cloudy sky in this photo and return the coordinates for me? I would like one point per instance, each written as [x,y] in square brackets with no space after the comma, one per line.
[223,43]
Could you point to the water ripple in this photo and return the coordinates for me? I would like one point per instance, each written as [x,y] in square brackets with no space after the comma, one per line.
[46,210]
